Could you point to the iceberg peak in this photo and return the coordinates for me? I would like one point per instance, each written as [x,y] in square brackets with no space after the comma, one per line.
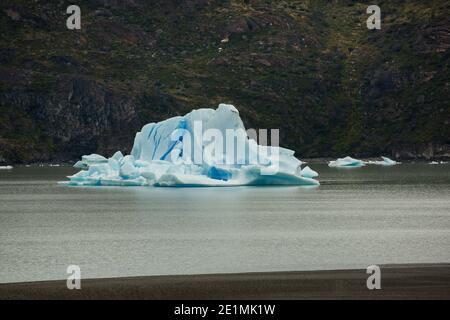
[309,173]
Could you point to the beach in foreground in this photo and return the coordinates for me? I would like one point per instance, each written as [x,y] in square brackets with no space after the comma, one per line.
[413,281]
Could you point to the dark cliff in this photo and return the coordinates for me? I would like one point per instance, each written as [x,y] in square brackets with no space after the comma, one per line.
[310,68]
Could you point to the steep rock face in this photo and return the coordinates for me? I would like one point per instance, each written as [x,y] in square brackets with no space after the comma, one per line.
[78,115]
[308,68]
[428,151]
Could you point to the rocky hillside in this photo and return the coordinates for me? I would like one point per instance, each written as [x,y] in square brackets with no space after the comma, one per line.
[310,68]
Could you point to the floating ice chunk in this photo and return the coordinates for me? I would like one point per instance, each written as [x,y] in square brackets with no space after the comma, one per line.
[438,162]
[385,162]
[93,158]
[89,160]
[347,162]
[6,167]
[184,151]
[307,172]
[388,161]
[80,165]
[79,176]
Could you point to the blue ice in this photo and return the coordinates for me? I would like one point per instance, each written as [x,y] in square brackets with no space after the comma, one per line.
[183,152]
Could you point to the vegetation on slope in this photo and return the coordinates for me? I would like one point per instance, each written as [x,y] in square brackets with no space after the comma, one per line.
[310,68]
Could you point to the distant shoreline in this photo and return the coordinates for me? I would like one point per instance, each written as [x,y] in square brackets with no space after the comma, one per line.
[304,160]
[412,281]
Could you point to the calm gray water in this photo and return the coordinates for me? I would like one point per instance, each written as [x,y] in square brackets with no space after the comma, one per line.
[357,217]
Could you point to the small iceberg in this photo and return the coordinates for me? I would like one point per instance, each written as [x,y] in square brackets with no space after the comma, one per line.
[308,173]
[204,148]
[347,162]
[385,162]
[6,167]
[438,162]
[88,160]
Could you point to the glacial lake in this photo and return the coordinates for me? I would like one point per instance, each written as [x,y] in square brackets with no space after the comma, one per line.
[357,217]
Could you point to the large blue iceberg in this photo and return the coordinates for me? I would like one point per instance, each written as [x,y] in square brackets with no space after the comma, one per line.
[206,147]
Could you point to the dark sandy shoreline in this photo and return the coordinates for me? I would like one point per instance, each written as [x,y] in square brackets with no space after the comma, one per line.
[414,281]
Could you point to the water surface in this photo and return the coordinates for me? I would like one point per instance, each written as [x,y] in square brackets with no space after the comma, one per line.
[357,217]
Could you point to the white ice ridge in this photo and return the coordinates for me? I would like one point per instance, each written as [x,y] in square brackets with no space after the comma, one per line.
[186,151]
[308,172]
[347,162]
[385,162]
